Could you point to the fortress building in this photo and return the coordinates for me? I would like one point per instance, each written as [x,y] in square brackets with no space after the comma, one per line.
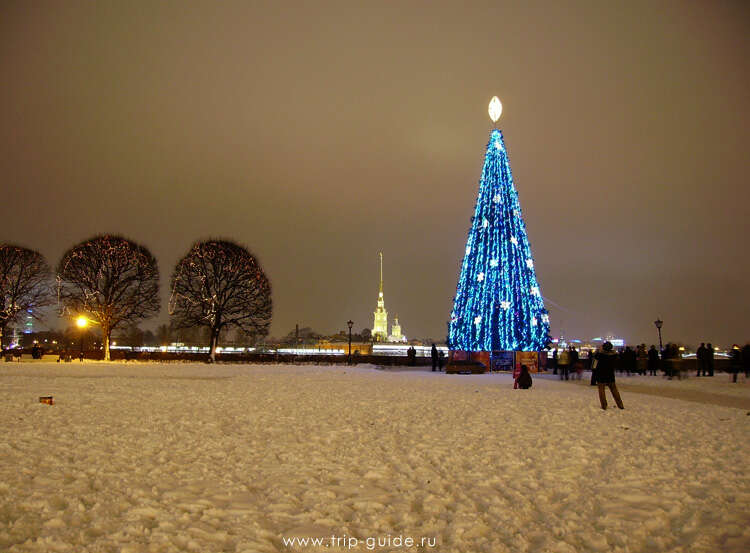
[380,324]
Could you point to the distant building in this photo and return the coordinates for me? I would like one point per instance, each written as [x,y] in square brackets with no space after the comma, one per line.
[396,335]
[333,347]
[380,325]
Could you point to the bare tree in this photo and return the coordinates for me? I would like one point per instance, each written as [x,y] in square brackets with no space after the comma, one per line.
[220,285]
[112,280]
[25,284]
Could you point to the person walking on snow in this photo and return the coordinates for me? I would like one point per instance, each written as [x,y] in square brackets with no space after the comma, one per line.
[605,375]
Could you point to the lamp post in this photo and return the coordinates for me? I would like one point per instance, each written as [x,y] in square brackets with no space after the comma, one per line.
[350,324]
[658,323]
[82,322]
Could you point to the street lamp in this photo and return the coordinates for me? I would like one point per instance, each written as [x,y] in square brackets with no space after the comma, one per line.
[82,322]
[658,323]
[350,324]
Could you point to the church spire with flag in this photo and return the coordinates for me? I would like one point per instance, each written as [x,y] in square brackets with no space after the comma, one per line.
[498,303]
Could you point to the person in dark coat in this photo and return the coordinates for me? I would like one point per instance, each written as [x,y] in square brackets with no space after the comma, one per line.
[700,356]
[574,358]
[746,359]
[653,360]
[554,361]
[441,359]
[606,360]
[629,360]
[524,379]
[592,367]
[434,355]
[641,356]
[735,361]
[710,359]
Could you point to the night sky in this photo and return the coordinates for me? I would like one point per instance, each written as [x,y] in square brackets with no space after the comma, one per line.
[318,134]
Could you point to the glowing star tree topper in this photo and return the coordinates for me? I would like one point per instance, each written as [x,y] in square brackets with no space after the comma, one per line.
[498,303]
[496,109]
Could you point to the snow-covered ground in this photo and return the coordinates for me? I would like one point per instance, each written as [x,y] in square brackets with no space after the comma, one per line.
[190,457]
[720,384]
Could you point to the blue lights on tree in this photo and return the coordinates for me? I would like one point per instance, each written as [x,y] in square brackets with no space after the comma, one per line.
[498,303]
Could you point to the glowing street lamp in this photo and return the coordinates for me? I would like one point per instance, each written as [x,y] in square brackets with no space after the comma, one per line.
[82,322]
[658,323]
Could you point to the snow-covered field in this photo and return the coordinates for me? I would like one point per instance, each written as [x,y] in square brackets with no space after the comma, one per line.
[719,384]
[189,457]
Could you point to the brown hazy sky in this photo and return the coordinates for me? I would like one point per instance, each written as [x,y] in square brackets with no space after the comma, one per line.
[320,133]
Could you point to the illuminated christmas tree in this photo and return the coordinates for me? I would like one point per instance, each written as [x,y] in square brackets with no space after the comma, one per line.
[498,303]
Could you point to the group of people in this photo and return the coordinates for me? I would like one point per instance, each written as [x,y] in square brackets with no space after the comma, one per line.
[602,365]
[640,360]
[438,356]
[567,359]
[705,357]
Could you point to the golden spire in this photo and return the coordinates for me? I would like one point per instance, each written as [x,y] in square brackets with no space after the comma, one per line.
[381,274]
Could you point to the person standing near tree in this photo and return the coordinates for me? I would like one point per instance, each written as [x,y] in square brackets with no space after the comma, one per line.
[605,375]
[441,359]
[434,355]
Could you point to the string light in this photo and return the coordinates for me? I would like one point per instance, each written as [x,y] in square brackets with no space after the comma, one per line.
[114,281]
[498,304]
